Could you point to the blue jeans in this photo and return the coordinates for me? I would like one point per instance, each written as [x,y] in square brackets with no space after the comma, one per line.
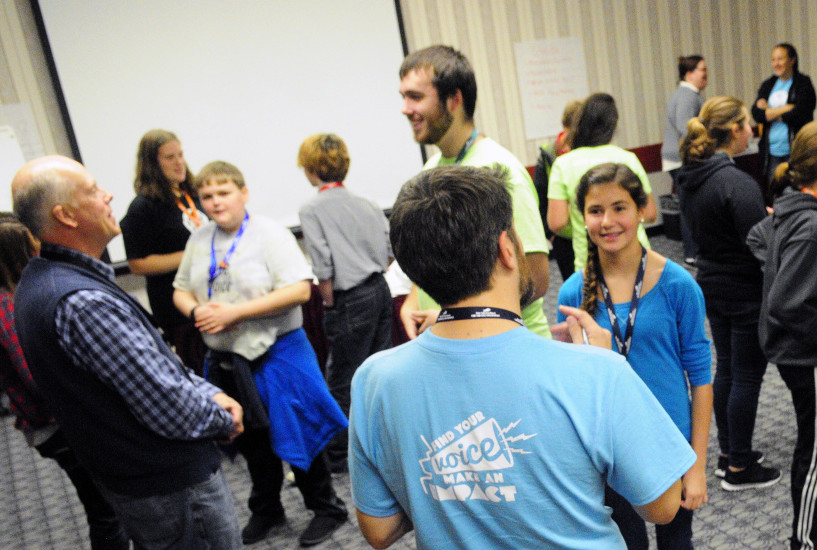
[357,325]
[741,365]
[676,535]
[200,517]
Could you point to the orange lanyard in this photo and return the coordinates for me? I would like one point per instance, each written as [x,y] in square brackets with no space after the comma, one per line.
[331,185]
[190,210]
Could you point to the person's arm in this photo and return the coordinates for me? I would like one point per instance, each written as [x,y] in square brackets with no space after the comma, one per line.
[558,215]
[215,317]
[793,295]
[761,104]
[415,320]
[774,113]
[579,327]
[802,110]
[327,292]
[383,532]
[317,250]
[103,335]
[540,272]
[185,301]
[694,481]
[663,509]
[156,264]
[746,204]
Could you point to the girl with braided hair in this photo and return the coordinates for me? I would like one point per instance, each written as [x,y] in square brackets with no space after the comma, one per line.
[655,311]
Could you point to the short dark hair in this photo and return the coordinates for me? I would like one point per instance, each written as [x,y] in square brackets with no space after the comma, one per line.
[688,63]
[596,122]
[791,51]
[445,228]
[452,72]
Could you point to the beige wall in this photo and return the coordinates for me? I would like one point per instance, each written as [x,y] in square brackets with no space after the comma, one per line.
[630,47]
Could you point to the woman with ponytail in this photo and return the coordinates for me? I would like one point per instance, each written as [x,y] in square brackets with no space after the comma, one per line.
[788,316]
[721,204]
[590,145]
[655,311]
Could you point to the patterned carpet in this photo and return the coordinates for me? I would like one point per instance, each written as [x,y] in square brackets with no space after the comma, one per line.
[40,510]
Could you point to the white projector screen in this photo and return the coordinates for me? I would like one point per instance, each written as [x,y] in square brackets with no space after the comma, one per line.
[244,82]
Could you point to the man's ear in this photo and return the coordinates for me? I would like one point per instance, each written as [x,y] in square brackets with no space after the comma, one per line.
[64,215]
[507,251]
[454,101]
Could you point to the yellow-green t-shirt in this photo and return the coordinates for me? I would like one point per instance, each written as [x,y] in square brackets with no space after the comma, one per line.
[526,218]
[565,175]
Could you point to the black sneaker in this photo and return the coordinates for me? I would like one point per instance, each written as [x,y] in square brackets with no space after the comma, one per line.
[753,477]
[723,463]
[258,527]
[319,529]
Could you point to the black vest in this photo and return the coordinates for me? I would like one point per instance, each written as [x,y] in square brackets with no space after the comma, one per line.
[121,453]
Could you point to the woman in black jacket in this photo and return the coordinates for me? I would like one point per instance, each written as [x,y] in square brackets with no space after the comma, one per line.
[722,203]
[785,103]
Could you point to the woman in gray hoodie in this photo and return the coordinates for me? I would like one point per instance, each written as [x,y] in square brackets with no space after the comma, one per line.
[788,319]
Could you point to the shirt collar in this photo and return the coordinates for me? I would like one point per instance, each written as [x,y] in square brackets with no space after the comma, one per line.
[62,253]
[686,84]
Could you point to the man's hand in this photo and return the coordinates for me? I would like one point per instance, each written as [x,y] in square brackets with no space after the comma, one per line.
[762,104]
[231,406]
[579,324]
[416,320]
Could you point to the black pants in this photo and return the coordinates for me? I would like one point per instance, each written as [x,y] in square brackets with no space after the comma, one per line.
[106,533]
[675,535]
[357,325]
[267,475]
[801,383]
[563,254]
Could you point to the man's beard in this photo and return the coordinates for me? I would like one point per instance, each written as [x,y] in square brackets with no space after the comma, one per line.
[438,126]
[526,289]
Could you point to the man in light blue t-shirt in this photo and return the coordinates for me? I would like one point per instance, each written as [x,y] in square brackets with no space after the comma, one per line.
[481,434]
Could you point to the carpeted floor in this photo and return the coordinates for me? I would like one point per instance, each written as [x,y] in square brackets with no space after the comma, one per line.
[39,509]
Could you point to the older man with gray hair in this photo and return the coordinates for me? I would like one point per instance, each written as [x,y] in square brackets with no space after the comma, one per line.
[138,420]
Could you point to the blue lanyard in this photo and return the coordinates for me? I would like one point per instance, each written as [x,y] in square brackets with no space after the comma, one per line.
[217,268]
[624,343]
[468,143]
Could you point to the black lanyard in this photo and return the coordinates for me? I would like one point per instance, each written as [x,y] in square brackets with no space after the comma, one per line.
[462,313]
[624,343]
[468,143]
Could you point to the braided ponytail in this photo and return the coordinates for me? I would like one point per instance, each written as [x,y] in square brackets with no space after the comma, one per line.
[590,289]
